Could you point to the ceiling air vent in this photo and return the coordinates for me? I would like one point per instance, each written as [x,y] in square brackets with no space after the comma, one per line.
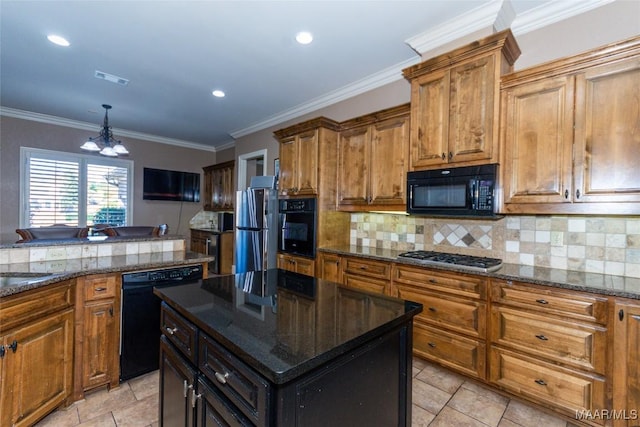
[111,78]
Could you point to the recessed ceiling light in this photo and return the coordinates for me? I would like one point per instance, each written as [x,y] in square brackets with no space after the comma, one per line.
[60,41]
[218,93]
[304,37]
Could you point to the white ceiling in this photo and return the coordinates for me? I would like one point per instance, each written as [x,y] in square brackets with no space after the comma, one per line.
[174,53]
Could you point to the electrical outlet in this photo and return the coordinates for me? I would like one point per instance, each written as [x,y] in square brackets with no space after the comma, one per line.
[557,238]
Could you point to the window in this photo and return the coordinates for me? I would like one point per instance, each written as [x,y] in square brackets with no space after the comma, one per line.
[74,189]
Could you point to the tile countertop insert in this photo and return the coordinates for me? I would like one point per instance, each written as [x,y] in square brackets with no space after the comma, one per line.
[60,270]
[243,311]
[604,284]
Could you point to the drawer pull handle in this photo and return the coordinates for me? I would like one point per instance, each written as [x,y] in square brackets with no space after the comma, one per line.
[363,267]
[194,398]
[222,378]
[542,301]
[635,317]
[170,331]
[432,344]
[100,289]
[432,309]
[433,281]
[541,382]
[542,337]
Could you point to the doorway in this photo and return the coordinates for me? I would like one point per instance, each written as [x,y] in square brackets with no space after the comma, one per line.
[250,165]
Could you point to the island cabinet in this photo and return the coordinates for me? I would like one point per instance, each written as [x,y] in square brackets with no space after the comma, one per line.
[36,353]
[366,274]
[549,346]
[219,189]
[373,152]
[306,353]
[569,134]
[626,375]
[296,264]
[455,103]
[305,149]
[452,328]
[97,322]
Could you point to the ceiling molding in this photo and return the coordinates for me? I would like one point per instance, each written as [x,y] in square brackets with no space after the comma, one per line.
[92,127]
[553,12]
[386,76]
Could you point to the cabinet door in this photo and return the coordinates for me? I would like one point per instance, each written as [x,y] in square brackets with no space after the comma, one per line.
[177,382]
[473,110]
[307,173]
[100,343]
[607,135]
[626,373]
[288,165]
[353,167]
[37,376]
[388,160]
[207,189]
[329,267]
[537,142]
[429,120]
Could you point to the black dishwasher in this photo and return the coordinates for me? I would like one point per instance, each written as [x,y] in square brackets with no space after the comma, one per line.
[140,327]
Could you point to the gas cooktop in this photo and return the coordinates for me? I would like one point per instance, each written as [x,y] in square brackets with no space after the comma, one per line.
[467,262]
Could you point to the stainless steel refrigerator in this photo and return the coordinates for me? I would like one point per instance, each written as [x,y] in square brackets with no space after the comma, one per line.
[257,226]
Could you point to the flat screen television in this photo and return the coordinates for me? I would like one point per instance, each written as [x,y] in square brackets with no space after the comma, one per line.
[161,184]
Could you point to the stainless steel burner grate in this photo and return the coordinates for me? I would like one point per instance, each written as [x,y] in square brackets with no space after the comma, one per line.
[469,262]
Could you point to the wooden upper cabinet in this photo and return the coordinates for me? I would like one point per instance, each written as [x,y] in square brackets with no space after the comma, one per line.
[455,103]
[569,134]
[301,146]
[538,119]
[219,188]
[372,161]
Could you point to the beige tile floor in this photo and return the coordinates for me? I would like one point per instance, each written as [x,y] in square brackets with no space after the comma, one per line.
[440,399]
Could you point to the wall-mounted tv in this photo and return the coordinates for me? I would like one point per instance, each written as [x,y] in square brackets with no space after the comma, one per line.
[161,184]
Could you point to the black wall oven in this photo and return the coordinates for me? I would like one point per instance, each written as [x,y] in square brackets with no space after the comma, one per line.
[462,191]
[298,227]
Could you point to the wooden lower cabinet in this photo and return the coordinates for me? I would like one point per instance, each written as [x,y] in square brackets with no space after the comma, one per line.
[566,390]
[36,353]
[367,274]
[329,267]
[97,320]
[626,375]
[297,264]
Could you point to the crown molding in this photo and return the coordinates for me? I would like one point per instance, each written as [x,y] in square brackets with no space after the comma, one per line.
[60,121]
[386,76]
[552,12]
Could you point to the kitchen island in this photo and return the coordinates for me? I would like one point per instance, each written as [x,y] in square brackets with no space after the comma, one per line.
[279,348]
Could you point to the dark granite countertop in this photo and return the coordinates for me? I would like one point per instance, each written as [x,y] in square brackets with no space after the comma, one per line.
[603,284]
[251,315]
[21,277]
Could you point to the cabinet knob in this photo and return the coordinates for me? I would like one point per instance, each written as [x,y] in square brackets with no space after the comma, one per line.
[14,345]
[432,309]
[222,378]
[170,331]
[100,289]
[542,301]
[450,155]
[2,351]
[542,337]
[577,194]
[444,156]
[566,194]
[540,381]
[432,344]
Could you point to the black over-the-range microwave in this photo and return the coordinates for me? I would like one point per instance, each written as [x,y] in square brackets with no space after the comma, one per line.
[462,191]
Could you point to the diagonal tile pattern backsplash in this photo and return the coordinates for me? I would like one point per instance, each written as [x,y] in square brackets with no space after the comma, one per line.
[609,245]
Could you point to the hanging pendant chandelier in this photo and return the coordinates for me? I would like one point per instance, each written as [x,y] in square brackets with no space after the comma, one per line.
[105,143]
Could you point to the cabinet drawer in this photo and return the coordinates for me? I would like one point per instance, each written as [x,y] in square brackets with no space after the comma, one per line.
[459,315]
[244,387]
[457,284]
[182,333]
[215,409]
[460,353]
[19,309]
[572,343]
[365,267]
[368,284]
[100,286]
[551,385]
[573,304]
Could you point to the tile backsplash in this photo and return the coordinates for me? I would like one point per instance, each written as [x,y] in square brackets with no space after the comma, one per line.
[609,245]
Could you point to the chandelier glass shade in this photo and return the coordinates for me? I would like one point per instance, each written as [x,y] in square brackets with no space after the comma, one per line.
[104,143]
